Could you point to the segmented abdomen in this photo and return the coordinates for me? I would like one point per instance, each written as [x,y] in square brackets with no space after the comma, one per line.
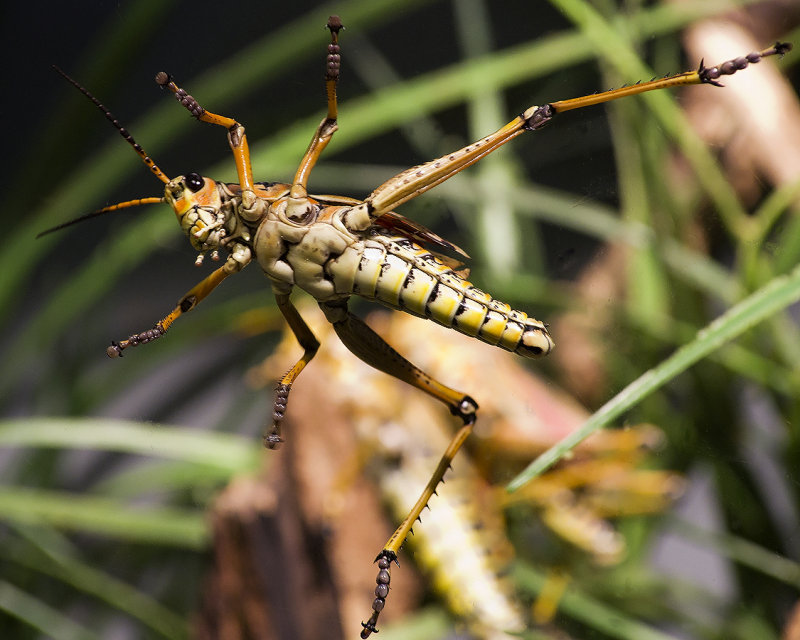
[401,274]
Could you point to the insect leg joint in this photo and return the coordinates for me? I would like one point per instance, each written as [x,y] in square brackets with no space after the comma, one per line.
[239,258]
[358,218]
[252,208]
[465,409]
[537,117]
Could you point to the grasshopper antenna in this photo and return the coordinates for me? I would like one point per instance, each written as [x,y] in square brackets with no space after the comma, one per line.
[114,207]
[136,147]
[122,130]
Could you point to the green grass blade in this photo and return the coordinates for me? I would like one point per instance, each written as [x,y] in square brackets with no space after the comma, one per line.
[163,476]
[590,611]
[51,622]
[742,551]
[231,453]
[102,516]
[708,172]
[770,299]
[362,118]
[67,567]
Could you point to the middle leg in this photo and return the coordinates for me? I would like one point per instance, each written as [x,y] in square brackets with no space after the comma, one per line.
[310,344]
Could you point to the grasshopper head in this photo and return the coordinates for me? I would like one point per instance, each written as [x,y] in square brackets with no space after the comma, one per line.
[199,208]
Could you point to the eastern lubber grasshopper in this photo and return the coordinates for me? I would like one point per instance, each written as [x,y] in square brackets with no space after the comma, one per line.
[333,247]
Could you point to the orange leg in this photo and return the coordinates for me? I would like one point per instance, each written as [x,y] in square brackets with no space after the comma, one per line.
[372,349]
[236,136]
[310,344]
[417,180]
[252,207]
[239,258]
[298,196]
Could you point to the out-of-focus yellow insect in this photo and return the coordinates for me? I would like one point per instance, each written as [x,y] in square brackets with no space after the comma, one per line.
[333,247]
[378,428]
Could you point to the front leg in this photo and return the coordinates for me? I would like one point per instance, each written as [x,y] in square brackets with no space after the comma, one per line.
[239,258]
[252,207]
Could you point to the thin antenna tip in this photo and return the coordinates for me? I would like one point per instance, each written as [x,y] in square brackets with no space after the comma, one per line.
[114,207]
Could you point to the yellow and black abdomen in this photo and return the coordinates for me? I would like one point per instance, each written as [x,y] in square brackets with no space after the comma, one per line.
[401,274]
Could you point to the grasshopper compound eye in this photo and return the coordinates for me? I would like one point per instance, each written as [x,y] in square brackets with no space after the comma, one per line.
[194,182]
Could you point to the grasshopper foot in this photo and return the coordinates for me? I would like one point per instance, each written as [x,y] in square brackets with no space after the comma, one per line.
[384,560]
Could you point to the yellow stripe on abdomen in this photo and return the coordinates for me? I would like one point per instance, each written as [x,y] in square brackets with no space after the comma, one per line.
[416,292]
[368,271]
[403,275]
[469,316]
[442,304]
[394,271]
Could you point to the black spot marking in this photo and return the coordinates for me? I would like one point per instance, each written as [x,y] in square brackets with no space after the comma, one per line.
[431,298]
[187,303]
